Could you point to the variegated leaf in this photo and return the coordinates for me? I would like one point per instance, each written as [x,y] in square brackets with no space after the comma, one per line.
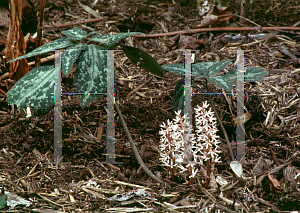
[111,39]
[91,74]
[255,74]
[69,56]
[175,68]
[217,67]
[231,73]
[208,68]
[35,89]
[92,33]
[252,74]
[75,34]
[51,46]
[221,81]
[179,97]
[202,68]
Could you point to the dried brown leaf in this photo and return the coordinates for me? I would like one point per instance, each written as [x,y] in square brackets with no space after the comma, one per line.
[275,183]
[186,42]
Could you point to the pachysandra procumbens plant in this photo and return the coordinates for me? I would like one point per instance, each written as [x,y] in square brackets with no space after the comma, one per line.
[185,152]
[36,88]
[209,71]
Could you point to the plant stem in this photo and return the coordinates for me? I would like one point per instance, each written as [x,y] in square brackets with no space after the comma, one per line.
[135,151]
[220,122]
[208,172]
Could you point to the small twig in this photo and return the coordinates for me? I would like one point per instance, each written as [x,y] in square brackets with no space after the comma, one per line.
[274,156]
[225,208]
[206,192]
[4,76]
[3,92]
[247,20]
[267,203]
[136,89]
[43,60]
[277,168]
[220,29]
[50,201]
[74,23]
[135,151]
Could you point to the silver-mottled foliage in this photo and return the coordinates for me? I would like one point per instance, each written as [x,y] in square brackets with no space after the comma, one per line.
[109,40]
[69,56]
[202,67]
[221,81]
[91,74]
[51,46]
[35,89]
[217,67]
[175,68]
[205,68]
[76,34]
[254,74]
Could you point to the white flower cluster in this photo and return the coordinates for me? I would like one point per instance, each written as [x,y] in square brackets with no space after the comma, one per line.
[180,149]
[206,133]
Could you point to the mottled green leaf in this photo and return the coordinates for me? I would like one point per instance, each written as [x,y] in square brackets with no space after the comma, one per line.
[143,60]
[199,76]
[231,73]
[179,97]
[75,34]
[221,81]
[3,200]
[92,33]
[201,68]
[69,56]
[91,74]
[253,74]
[175,68]
[51,46]
[178,69]
[110,39]
[35,89]
[208,68]
[217,67]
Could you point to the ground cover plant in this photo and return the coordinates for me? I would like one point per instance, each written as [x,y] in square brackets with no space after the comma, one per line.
[270,181]
[180,148]
[35,89]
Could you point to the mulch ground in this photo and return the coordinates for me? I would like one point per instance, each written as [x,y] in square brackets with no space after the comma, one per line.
[85,184]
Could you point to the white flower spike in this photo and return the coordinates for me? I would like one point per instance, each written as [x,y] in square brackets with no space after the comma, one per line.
[181,150]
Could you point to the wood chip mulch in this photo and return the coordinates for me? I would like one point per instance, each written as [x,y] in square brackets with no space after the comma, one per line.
[271,167]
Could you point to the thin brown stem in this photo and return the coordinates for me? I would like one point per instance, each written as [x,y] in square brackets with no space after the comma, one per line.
[220,122]
[39,32]
[208,173]
[135,151]
[216,29]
